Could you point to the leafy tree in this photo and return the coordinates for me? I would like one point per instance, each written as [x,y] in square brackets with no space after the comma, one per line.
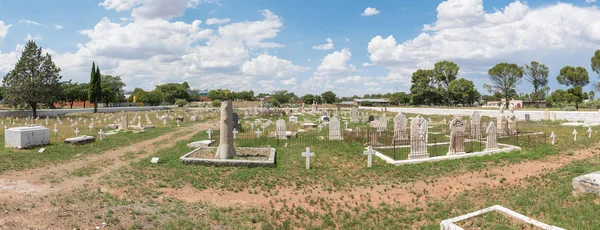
[596,62]
[34,79]
[504,79]
[112,89]
[180,102]
[572,95]
[95,86]
[244,95]
[318,99]
[153,97]
[422,90]
[308,99]
[537,75]
[462,91]
[573,76]
[444,73]
[329,97]
[137,92]
[591,95]
[400,98]
[283,96]
[173,91]
[1,93]
[219,94]
[72,91]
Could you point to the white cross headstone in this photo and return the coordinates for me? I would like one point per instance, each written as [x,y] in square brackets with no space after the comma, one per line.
[209,132]
[41,150]
[369,154]
[308,154]
[76,132]
[154,160]
[258,132]
[552,136]
[164,122]
[574,134]
[346,123]
[55,130]
[589,132]
[91,126]
[235,132]
[101,134]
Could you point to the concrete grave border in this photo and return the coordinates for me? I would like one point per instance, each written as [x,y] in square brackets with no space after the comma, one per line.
[270,162]
[449,224]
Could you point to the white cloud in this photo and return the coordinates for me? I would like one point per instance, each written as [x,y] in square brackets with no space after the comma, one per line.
[590,1]
[150,9]
[58,27]
[213,21]
[252,33]
[347,39]
[291,81]
[30,22]
[328,46]
[466,34]
[369,11]
[34,38]
[335,64]
[267,65]
[349,79]
[3,31]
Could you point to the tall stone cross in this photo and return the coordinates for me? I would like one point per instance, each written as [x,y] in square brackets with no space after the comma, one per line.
[369,154]
[235,132]
[91,126]
[552,136]
[258,132]
[346,123]
[101,134]
[209,132]
[308,154]
[589,132]
[574,134]
[76,132]
[251,125]
[55,130]
[165,122]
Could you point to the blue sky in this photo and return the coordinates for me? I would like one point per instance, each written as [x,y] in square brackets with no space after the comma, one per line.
[267,45]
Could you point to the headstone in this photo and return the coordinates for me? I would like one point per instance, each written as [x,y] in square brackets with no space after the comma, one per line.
[589,183]
[369,154]
[154,160]
[457,131]
[475,130]
[527,117]
[80,140]
[293,119]
[511,108]
[209,132]
[101,134]
[308,154]
[589,132]
[124,123]
[400,123]
[553,136]
[512,125]
[334,129]
[258,132]
[193,118]
[383,122]
[371,118]
[235,132]
[501,125]
[280,129]
[418,138]
[26,137]
[574,134]
[546,115]
[235,121]
[226,149]
[490,133]
[354,115]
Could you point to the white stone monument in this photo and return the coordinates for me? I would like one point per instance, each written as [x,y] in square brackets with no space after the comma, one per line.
[369,154]
[335,129]
[475,125]
[418,138]
[354,115]
[457,132]
[280,129]
[308,154]
[491,140]
[226,148]
[400,133]
[26,137]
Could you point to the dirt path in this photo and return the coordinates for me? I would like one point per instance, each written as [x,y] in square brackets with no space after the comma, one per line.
[413,193]
[46,180]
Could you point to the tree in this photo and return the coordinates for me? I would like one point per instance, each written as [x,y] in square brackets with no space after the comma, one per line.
[95,87]
[400,98]
[153,97]
[283,96]
[1,93]
[573,76]
[422,90]
[591,95]
[112,89]
[137,92]
[329,97]
[83,92]
[308,99]
[537,75]
[70,92]
[596,62]
[572,95]
[34,79]
[504,79]
[219,94]
[173,91]
[462,91]
[444,72]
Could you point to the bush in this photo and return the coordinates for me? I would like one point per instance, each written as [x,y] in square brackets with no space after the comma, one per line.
[216,103]
[366,103]
[180,102]
[271,104]
[569,108]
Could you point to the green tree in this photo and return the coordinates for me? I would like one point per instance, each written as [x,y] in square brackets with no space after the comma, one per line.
[573,76]
[95,87]
[137,92]
[1,93]
[153,97]
[34,79]
[173,91]
[462,91]
[504,79]
[444,73]
[596,62]
[422,90]
[400,98]
[219,94]
[537,74]
[71,92]
[591,95]
[308,99]
[283,96]
[112,89]
[329,97]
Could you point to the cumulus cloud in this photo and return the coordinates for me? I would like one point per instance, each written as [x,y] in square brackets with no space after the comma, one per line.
[328,46]
[267,65]
[216,21]
[370,11]
[466,34]
[30,22]
[253,33]
[336,64]
[590,1]
[3,31]
[58,27]
[150,9]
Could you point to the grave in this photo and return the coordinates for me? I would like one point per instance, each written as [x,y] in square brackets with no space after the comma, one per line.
[400,134]
[26,137]
[280,129]
[371,118]
[491,142]
[124,125]
[203,143]
[80,140]
[226,149]
[293,119]
[475,129]
[589,183]
[335,129]
[457,131]
[354,115]
[451,224]
[418,138]
[512,125]
[235,121]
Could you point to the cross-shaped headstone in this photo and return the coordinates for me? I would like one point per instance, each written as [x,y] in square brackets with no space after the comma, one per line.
[209,132]
[164,122]
[346,123]
[91,126]
[55,130]
[589,132]
[101,134]
[235,132]
[258,132]
[308,154]
[369,154]
[552,136]
[574,134]
[76,132]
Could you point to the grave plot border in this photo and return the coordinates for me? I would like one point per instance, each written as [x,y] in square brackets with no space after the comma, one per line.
[270,162]
[449,224]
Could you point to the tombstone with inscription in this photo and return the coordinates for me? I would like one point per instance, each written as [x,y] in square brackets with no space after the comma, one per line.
[501,125]
[235,121]
[280,129]
[383,123]
[371,118]
[491,142]
[418,138]
[475,128]
[293,119]
[527,118]
[354,115]
[124,123]
[335,129]
[457,131]
[400,133]
[512,125]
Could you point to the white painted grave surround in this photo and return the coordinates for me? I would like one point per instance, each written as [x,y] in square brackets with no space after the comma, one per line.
[25,137]
[449,224]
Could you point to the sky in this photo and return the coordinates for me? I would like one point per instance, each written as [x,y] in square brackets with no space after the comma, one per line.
[309,46]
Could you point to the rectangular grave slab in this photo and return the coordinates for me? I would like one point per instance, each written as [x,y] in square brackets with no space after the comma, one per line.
[450,224]
[26,137]
[80,140]
[197,144]
[589,183]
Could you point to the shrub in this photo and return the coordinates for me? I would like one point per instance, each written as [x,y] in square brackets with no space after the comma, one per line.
[180,102]
[366,103]
[216,103]
[569,108]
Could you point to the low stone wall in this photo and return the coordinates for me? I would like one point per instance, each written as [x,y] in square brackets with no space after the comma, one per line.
[534,115]
[270,162]
[60,112]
